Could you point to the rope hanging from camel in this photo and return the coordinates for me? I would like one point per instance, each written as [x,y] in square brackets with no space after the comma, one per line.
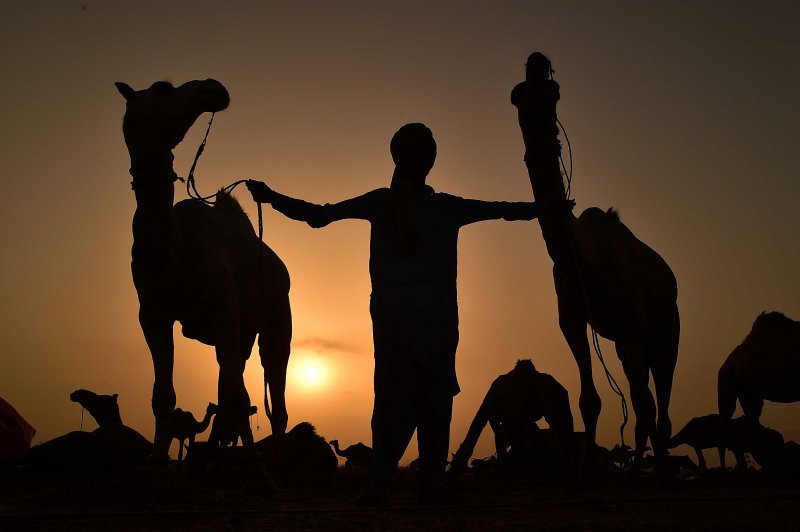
[612,382]
[191,184]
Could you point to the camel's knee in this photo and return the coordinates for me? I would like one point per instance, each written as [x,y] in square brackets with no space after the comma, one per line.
[163,401]
[590,405]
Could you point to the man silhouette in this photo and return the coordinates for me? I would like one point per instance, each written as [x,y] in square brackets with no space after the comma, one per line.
[414,309]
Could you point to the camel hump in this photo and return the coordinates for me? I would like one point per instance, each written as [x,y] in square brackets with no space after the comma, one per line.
[304,429]
[771,322]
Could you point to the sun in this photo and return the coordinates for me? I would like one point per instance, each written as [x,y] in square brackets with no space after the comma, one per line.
[310,373]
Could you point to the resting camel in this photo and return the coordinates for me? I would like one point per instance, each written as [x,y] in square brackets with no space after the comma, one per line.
[103,408]
[109,445]
[514,403]
[604,277]
[766,365]
[183,426]
[202,266]
[357,456]
[300,458]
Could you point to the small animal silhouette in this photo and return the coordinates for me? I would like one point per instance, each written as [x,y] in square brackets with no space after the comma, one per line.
[740,435]
[358,456]
[183,426]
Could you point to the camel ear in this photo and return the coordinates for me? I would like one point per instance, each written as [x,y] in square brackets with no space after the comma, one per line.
[125,90]
[115,396]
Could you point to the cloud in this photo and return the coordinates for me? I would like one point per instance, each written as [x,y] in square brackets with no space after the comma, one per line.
[325,345]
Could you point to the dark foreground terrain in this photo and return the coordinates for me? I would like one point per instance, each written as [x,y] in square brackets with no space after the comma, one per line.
[159,498]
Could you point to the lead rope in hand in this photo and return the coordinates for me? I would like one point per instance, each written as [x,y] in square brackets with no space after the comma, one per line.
[82,409]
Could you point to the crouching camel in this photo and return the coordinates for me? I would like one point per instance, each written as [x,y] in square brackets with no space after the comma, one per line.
[512,406]
[202,266]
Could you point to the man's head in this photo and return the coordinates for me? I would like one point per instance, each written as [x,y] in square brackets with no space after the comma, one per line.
[538,67]
[413,150]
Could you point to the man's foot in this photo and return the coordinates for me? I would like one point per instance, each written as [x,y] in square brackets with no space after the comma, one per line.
[371,496]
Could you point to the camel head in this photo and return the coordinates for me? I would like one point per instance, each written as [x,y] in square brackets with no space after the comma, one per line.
[211,408]
[103,408]
[157,118]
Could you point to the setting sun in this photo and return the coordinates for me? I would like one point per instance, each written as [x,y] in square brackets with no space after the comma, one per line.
[309,372]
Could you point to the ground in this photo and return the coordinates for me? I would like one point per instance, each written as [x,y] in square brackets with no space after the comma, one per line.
[149,498]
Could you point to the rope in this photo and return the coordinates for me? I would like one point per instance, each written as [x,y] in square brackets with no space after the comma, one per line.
[191,184]
[612,382]
[82,409]
[563,166]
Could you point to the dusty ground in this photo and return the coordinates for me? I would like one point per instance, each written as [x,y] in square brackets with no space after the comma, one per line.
[158,498]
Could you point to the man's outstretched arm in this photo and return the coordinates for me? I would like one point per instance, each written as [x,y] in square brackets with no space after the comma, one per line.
[471,211]
[311,213]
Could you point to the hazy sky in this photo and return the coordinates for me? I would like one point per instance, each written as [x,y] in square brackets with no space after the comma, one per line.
[683,115]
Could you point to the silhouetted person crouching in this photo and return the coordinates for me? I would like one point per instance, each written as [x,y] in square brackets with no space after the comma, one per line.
[413,256]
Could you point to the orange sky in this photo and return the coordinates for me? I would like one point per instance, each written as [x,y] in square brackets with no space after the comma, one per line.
[682,116]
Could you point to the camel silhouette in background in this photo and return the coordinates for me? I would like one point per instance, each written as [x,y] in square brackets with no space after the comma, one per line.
[299,458]
[766,365]
[740,435]
[604,277]
[357,456]
[183,426]
[103,408]
[111,444]
[514,403]
[202,266]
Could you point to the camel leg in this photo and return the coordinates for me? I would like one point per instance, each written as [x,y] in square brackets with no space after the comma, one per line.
[234,402]
[158,335]
[180,450]
[701,460]
[663,351]
[572,321]
[644,406]
[274,345]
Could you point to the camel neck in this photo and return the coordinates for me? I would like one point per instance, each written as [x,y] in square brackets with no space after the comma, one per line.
[547,182]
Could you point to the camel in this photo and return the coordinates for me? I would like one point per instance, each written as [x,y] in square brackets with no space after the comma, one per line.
[604,277]
[103,408]
[183,426]
[514,403]
[299,457]
[202,266]
[740,435]
[111,444]
[358,456]
[766,365]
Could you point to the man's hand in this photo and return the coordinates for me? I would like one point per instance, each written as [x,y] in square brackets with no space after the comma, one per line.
[260,191]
